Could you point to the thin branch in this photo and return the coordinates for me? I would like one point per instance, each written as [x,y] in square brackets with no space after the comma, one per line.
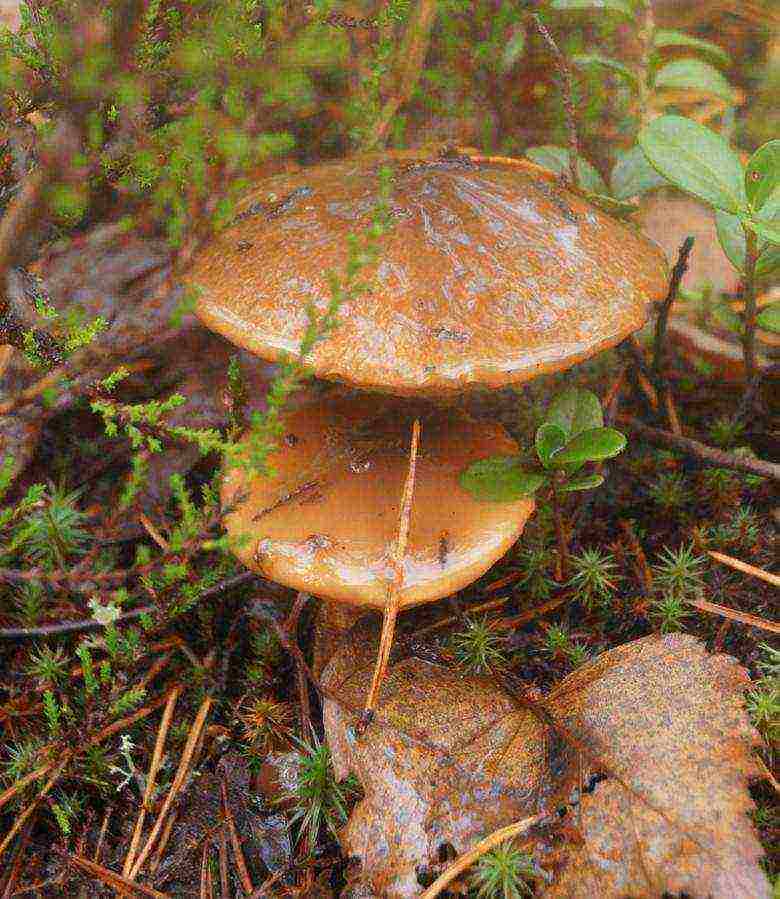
[466,860]
[74,627]
[707,455]
[567,88]
[678,272]
[745,568]
[394,586]
[733,615]
[411,57]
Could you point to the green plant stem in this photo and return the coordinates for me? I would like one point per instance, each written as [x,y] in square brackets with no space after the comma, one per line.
[560,531]
[749,296]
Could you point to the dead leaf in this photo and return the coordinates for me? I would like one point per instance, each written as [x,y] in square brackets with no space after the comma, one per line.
[452,758]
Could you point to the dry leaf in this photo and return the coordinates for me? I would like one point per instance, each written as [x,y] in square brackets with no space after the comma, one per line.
[451,758]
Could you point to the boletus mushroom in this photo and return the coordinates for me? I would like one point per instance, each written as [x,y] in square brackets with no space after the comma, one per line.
[492,274]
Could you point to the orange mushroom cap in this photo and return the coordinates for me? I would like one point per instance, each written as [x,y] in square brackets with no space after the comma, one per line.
[492,274]
[325,521]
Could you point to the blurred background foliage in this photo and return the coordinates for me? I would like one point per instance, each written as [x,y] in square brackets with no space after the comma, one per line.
[170,105]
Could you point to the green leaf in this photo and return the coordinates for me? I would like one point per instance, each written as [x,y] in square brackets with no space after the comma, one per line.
[768,262]
[549,439]
[586,482]
[574,411]
[668,37]
[694,74]
[770,232]
[591,446]
[731,236]
[732,239]
[500,479]
[697,160]
[762,173]
[624,7]
[556,159]
[726,316]
[769,318]
[633,175]
[596,59]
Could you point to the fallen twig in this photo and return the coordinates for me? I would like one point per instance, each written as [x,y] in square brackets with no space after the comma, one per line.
[707,455]
[89,624]
[151,781]
[178,782]
[111,879]
[235,842]
[394,586]
[745,568]
[467,859]
[752,620]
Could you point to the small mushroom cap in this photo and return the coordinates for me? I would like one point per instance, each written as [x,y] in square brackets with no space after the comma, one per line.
[327,520]
[492,274]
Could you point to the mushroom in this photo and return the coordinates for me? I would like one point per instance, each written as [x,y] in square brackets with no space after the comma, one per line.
[324,520]
[492,274]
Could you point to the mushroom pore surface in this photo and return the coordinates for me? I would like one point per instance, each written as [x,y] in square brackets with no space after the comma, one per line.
[326,520]
[491,274]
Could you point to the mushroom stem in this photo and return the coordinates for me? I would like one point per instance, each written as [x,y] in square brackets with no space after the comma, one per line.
[393,587]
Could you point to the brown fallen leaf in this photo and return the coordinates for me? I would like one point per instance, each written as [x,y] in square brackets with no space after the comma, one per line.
[452,758]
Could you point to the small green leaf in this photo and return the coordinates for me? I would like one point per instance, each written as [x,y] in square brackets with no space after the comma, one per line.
[624,7]
[724,315]
[586,482]
[694,74]
[500,479]
[731,236]
[762,173]
[697,160]
[591,446]
[556,159]
[606,62]
[732,239]
[769,318]
[770,232]
[549,439]
[574,411]
[668,37]
[633,175]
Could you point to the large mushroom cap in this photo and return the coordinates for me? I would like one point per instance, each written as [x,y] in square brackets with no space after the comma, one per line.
[491,275]
[326,521]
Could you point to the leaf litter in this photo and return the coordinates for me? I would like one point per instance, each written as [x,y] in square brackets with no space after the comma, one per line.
[650,755]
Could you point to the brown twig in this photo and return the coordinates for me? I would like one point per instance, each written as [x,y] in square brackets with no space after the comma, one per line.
[178,782]
[291,627]
[567,88]
[111,879]
[235,842]
[467,859]
[751,307]
[661,325]
[206,886]
[411,58]
[707,455]
[154,767]
[733,615]
[745,568]
[71,627]
[394,586]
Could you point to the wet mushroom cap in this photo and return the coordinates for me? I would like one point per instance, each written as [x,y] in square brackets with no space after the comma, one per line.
[492,274]
[326,520]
